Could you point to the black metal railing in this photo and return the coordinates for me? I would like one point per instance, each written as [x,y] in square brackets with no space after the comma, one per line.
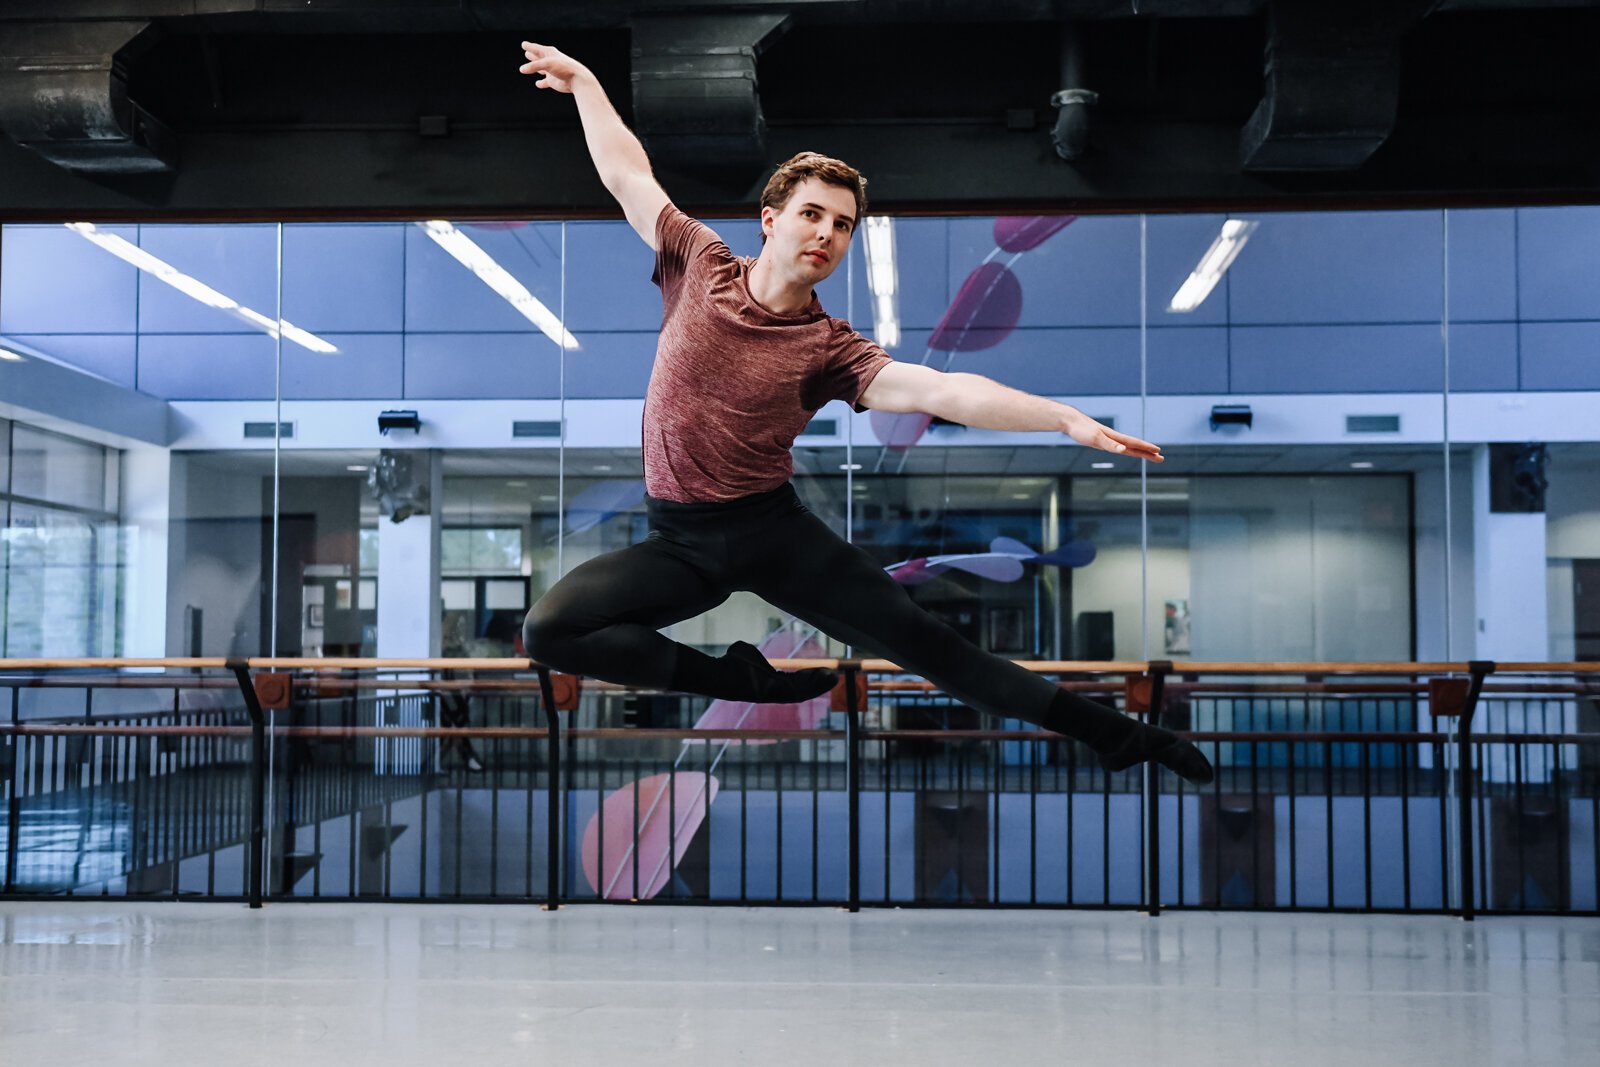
[1363,787]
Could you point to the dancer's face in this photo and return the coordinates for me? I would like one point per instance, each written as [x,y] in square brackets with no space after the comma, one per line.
[810,234]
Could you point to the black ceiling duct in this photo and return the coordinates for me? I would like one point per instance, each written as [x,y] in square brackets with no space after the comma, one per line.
[64,94]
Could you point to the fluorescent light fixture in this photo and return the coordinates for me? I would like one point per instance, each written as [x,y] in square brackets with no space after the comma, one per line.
[466,252]
[1021,496]
[602,467]
[849,466]
[196,289]
[1102,466]
[355,467]
[1213,265]
[883,278]
[1361,465]
[10,356]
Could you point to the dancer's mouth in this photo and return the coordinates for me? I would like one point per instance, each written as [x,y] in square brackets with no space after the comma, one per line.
[820,257]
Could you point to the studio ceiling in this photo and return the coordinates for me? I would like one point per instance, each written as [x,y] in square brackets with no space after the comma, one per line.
[414,108]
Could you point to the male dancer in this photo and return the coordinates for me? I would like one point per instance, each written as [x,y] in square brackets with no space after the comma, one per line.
[746,356]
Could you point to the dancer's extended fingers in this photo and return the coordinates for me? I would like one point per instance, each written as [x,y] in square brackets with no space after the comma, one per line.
[1129,445]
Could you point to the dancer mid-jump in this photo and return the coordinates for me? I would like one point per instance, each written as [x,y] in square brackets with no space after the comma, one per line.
[746,356]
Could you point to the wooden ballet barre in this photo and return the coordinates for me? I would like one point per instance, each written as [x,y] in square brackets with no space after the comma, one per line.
[109,663]
[866,666]
[281,663]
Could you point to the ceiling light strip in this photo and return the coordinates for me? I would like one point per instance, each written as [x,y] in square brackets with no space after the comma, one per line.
[883,278]
[1213,265]
[196,289]
[466,252]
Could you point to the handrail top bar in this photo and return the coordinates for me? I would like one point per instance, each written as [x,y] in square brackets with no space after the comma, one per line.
[873,666]
[35,664]
[290,663]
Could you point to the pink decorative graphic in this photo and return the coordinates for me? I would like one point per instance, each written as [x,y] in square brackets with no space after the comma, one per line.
[654,831]
[1014,233]
[983,314]
[899,431]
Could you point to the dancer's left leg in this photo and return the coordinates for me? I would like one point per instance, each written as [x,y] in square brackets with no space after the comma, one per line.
[817,576]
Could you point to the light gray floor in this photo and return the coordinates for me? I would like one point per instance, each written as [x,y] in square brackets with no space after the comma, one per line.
[306,984]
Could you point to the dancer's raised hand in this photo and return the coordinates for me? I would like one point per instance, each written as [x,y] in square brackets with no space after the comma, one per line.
[556,67]
[1087,431]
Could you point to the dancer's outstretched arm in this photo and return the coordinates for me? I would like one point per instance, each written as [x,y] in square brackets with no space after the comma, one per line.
[618,156]
[974,400]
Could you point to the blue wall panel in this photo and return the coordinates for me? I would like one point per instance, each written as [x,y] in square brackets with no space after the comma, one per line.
[1188,361]
[1558,257]
[608,279]
[1483,266]
[344,278]
[1097,362]
[367,366]
[57,282]
[1082,362]
[459,366]
[1561,355]
[1483,357]
[1337,359]
[441,294]
[611,365]
[239,261]
[921,253]
[1356,267]
[109,355]
[207,366]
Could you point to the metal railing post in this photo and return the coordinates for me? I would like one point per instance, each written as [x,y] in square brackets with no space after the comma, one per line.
[1152,797]
[14,804]
[852,766]
[1480,669]
[258,780]
[553,795]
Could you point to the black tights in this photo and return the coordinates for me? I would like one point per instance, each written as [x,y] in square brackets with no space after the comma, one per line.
[601,621]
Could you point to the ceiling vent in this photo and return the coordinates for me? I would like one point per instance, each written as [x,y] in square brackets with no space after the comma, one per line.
[1372,424]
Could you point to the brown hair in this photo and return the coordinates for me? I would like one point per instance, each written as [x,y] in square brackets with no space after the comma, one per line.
[781,186]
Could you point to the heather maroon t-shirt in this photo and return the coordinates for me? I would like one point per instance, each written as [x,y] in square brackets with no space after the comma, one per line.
[734,383]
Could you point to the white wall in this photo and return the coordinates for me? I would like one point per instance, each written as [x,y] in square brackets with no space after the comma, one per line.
[1112,583]
[1299,569]
[146,503]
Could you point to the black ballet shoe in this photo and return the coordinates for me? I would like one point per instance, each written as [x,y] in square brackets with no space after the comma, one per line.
[782,687]
[1160,745]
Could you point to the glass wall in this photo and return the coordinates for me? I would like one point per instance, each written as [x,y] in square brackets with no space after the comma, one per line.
[63,557]
[390,439]
[183,476]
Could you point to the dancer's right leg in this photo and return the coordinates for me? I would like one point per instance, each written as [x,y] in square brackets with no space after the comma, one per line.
[600,621]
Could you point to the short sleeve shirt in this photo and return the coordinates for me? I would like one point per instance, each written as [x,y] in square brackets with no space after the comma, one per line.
[734,383]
